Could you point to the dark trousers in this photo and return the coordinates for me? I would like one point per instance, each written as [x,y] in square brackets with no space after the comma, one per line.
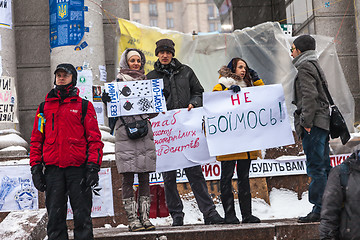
[316,148]
[198,186]
[61,183]
[128,183]
[244,194]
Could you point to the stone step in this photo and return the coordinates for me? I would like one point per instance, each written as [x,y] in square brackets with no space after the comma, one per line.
[280,229]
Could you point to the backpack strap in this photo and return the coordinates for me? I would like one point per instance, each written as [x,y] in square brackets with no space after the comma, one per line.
[41,107]
[84,107]
[344,177]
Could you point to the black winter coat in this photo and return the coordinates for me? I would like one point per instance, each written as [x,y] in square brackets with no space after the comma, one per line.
[341,220]
[181,86]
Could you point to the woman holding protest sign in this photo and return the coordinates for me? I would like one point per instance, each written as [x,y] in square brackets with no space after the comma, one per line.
[234,76]
[134,154]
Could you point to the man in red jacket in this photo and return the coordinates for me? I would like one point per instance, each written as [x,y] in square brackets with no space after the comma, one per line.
[67,144]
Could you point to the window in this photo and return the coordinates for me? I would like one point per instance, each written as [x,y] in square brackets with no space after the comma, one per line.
[211,11]
[170,23]
[153,23]
[136,7]
[169,7]
[153,9]
[211,27]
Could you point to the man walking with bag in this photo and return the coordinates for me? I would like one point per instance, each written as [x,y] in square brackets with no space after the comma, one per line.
[311,120]
[182,89]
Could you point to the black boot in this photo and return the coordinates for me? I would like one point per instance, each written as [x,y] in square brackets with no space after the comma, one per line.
[245,207]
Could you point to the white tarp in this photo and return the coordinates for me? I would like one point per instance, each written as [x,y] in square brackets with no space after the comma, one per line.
[255,118]
[265,48]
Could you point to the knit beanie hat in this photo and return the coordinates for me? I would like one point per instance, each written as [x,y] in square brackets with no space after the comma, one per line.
[304,43]
[132,53]
[69,68]
[165,45]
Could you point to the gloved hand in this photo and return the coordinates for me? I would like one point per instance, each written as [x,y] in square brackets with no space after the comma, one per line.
[38,177]
[253,74]
[91,175]
[235,88]
[105,97]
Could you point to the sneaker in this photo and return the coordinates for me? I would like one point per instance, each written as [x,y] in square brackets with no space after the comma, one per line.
[251,219]
[311,217]
[232,220]
[214,219]
[178,221]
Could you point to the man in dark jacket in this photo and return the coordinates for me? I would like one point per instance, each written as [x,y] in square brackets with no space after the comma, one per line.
[182,89]
[340,214]
[68,144]
[311,119]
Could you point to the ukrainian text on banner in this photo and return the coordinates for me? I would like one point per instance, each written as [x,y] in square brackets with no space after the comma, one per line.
[8,100]
[255,118]
[135,97]
[284,166]
[5,14]
[179,139]
[102,205]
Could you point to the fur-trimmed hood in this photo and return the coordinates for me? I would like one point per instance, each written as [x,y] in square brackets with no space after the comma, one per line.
[229,78]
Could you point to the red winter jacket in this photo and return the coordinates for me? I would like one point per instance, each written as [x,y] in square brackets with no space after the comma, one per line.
[66,141]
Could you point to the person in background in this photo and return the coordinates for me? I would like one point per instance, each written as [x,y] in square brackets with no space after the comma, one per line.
[340,212]
[70,149]
[311,119]
[182,89]
[134,156]
[235,76]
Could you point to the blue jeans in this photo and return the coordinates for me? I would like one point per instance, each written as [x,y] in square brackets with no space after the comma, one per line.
[316,148]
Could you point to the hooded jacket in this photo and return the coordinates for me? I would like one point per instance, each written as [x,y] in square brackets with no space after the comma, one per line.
[181,86]
[65,141]
[340,215]
[312,107]
[228,78]
[133,155]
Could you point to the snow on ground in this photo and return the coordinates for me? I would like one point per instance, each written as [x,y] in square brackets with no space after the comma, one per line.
[284,204]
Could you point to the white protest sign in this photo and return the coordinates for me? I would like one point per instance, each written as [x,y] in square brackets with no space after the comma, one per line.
[5,14]
[135,97]
[255,118]
[179,139]
[102,197]
[8,101]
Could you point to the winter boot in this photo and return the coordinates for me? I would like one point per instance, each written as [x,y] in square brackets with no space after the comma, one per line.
[131,212]
[245,207]
[144,210]
[229,209]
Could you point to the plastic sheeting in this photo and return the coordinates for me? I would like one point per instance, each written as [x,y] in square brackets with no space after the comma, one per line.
[264,47]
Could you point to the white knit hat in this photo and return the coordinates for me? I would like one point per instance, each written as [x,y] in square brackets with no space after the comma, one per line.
[132,53]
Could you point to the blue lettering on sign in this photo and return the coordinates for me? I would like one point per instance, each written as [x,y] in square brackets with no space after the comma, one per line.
[157,95]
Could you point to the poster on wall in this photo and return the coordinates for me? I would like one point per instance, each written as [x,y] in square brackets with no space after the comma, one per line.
[17,191]
[102,197]
[8,100]
[5,14]
[66,22]
[85,84]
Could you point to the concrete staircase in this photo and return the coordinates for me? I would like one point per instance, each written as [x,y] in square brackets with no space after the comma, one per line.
[268,230]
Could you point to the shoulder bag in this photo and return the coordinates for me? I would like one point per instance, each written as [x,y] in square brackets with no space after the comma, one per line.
[338,126]
[137,129]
